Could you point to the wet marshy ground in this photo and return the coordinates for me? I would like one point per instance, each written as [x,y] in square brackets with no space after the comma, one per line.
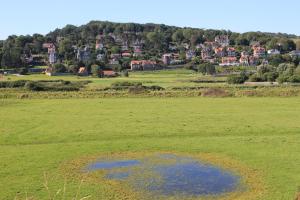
[168,175]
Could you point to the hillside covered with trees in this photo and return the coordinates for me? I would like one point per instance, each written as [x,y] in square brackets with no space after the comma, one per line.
[153,40]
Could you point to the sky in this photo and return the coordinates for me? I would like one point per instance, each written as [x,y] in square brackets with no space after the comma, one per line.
[18,17]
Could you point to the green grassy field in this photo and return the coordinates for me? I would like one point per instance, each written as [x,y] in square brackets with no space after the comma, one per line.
[38,136]
[45,130]
[164,78]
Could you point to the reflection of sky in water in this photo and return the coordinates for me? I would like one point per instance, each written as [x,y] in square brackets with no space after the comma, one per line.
[170,175]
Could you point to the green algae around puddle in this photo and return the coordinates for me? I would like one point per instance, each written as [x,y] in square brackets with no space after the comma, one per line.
[168,175]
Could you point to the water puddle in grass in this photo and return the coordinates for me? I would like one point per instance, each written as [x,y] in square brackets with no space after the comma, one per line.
[170,175]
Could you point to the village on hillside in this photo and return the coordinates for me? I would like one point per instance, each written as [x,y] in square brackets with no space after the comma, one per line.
[107,49]
[218,52]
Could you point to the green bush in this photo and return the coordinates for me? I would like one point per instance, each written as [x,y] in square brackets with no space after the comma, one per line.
[96,70]
[55,85]
[126,84]
[294,79]
[12,84]
[206,68]
[23,71]
[297,70]
[255,78]
[270,76]
[154,87]
[125,73]
[59,68]
[34,86]
[282,78]
[237,79]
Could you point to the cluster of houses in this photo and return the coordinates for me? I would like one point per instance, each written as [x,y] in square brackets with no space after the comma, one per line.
[144,65]
[133,50]
[221,53]
[218,52]
[128,49]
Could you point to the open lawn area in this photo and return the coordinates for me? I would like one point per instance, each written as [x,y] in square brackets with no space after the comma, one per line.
[163,78]
[39,136]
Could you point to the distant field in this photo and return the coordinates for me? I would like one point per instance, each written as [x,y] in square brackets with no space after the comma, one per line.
[164,78]
[38,136]
[176,83]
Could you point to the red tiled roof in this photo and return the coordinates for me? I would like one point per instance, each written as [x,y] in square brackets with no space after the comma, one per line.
[108,72]
[126,54]
[149,62]
[136,62]
[229,59]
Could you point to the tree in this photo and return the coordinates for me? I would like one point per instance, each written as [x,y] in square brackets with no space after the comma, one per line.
[275,60]
[207,68]
[59,68]
[286,45]
[210,69]
[96,70]
[178,36]
[286,69]
[298,44]
[73,69]
[187,34]
[237,79]
[273,44]
[65,49]
[125,73]
[157,40]
[115,49]
[297,71]
[202,69]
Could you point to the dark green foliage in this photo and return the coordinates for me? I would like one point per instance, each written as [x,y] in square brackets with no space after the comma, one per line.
[255,78]
[126,84]
[59,68]
[73,69]
[45,85]
[276,60]
[12,84]
[206,68]
[48,86]
[270,76]
[22,71]
[55,85]
[115,50]
[282,78]
[125,73]
[65,49]
[154,87]
[190,66]
[156,37]
[133,86]
[237,78]
[294,79]
[297,70]
[96,70]
[283,73]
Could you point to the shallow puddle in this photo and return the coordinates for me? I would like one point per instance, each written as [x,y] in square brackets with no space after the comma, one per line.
[169,175]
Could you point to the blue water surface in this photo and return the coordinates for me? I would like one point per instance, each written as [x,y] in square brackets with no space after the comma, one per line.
[171,175]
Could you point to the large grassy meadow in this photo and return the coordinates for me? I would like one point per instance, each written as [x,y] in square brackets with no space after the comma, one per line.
[38,136]
[43,132]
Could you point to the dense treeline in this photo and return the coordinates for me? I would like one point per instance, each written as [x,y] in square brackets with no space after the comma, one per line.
[157,39]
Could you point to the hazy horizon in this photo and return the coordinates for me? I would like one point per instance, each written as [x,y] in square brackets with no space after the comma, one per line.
[34,16]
